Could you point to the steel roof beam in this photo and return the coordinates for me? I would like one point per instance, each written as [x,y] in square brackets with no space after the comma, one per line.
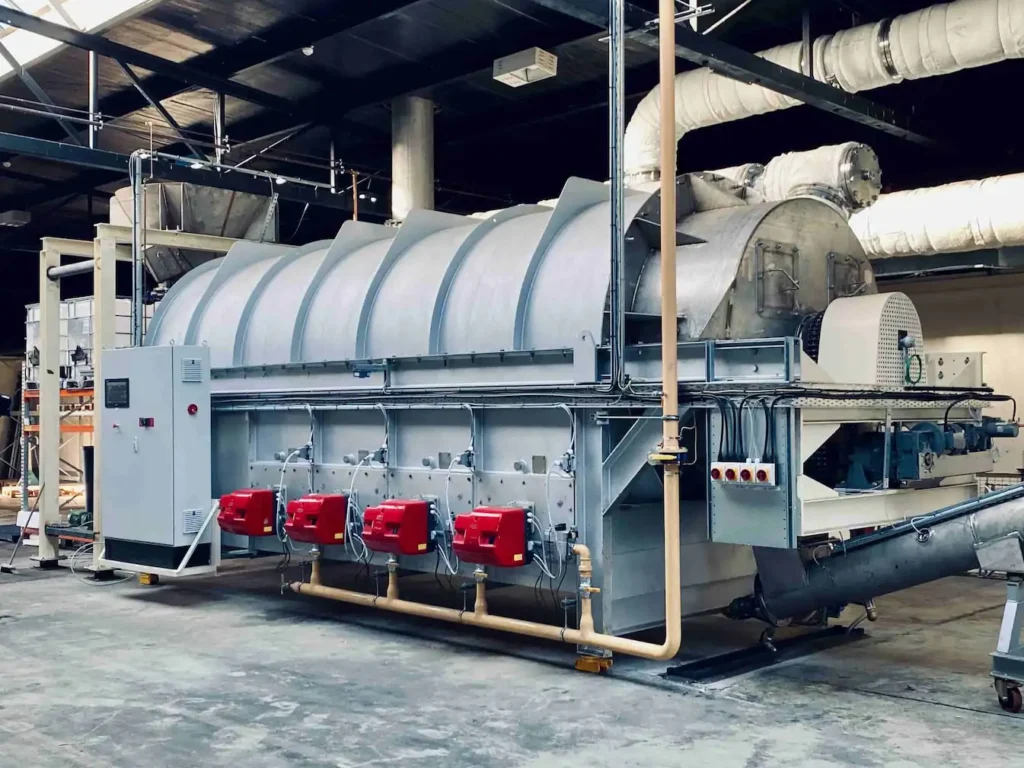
[114,165]
[738,64]
[213,68]
[155,104]
[38,92]
[186,73]
[449,65]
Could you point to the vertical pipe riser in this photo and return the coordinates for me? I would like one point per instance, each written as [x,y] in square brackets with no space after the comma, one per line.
[616,68]
[94,104]
[138,223]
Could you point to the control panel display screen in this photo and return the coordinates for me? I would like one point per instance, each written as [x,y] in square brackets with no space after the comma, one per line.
[115,393]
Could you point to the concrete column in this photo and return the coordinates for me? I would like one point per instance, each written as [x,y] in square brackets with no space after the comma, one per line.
[49,408]
[412,155]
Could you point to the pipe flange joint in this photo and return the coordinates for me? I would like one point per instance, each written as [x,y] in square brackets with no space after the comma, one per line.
[885,50]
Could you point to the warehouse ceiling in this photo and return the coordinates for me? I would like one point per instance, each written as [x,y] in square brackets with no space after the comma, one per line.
[340,63]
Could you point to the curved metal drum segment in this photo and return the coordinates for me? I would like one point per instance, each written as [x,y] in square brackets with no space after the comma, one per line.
[578,256]
[265,328]
[399,324]
[417,226]
[174,312]
[530,277]
[360,246]
[723,281]
[577,195]
[706,270]
[479,311]
[215,321]
[469,245]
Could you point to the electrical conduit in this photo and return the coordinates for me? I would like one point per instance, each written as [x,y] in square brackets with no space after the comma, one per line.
[937,40]
[586,635]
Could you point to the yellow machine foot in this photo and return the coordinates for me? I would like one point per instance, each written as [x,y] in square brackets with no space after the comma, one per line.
[593,664]
[149,579]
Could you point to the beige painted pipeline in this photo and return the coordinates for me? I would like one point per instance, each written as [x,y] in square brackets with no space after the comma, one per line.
[585,635]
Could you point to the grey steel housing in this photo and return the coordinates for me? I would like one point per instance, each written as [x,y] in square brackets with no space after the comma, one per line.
[452,331]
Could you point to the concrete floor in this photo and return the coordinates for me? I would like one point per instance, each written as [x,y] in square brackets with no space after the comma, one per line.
[231,673]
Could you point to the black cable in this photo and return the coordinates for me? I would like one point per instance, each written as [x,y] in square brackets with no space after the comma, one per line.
[721,434]
[765,453]
[537,594]
[437,565]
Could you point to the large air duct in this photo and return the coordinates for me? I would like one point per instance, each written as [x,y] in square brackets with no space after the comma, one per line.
[934,41]
[847,175]
[964,216]
[924,549]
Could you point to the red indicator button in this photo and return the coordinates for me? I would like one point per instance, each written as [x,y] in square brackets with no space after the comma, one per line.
[745,475]
[730,474]
[716,474]
[193,409]
[762,476]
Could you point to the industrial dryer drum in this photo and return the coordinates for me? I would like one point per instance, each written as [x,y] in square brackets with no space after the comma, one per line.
[464,363]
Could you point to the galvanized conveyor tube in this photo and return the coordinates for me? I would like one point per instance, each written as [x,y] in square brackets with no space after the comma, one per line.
[916,552]
[586,635]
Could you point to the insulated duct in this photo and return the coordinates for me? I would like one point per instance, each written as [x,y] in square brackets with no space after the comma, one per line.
[964,216]
[847,175]
[933,41]
[924,549]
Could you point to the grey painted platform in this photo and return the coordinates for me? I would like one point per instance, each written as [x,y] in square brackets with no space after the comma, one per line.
[231,673]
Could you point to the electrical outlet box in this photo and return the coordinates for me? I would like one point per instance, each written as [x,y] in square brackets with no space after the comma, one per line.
[743,473]
[725,471]
[764,474]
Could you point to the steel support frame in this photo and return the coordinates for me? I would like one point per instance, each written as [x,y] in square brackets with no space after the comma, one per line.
[160,109]
[166,169]
[193,76]
[733,62]
[37,90]
[111,244]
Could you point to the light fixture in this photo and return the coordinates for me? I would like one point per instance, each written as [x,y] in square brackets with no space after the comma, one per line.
[15,218]
[281,180]
[525,67]
[373,199]
[307,50]
[362,195]
[197,165]
[7,163]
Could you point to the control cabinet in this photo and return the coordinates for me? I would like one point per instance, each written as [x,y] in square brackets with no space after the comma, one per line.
[155,466]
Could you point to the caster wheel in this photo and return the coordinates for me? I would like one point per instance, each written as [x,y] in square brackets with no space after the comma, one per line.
[1012,701]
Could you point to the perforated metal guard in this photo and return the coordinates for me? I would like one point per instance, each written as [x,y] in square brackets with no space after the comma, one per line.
[898,314]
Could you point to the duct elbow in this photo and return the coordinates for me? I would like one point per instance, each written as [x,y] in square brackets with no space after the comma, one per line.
[641,141]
